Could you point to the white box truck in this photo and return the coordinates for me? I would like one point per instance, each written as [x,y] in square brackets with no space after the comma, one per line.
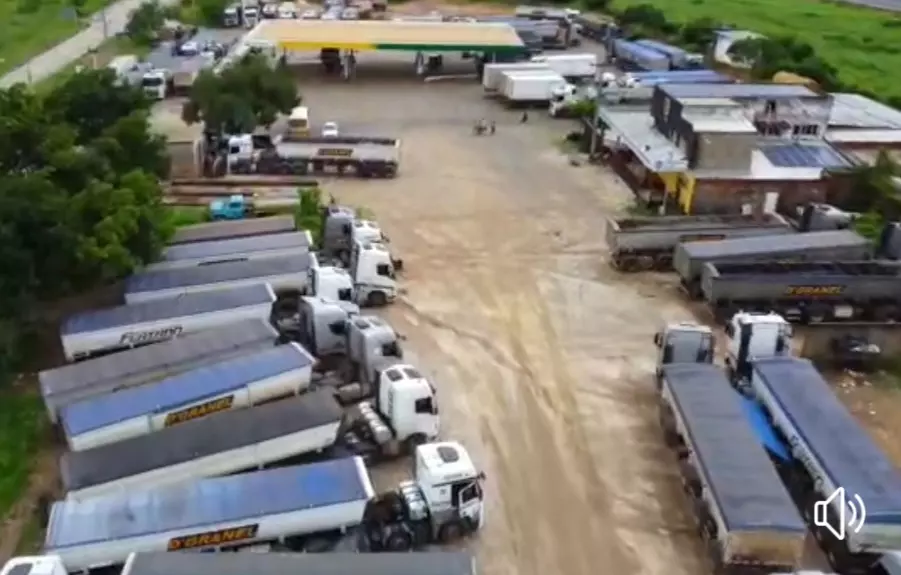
[492,76]
[113,329]
[531,88]
[574,66]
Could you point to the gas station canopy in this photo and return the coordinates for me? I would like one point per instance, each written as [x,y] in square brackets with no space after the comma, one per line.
[359,35]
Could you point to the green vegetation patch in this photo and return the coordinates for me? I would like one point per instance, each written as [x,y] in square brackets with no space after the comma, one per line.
[28,27]
[22,421]
[863,44]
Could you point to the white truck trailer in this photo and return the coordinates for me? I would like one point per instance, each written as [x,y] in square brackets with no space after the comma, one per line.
[235,383]
[162,563]
[233,250]
[221,444]
[283,274]
[531,88]
[74,382]
[444,502]
[492,75]
[570,66]
[226,230]
[114,329]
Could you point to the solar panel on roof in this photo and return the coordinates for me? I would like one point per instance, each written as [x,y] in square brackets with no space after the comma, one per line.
[800,156]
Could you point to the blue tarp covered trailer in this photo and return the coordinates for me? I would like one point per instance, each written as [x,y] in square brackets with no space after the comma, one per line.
[677,56]
[209,513]
[836,451]
[630,55]
[236,249]
[755,519]
[231,384]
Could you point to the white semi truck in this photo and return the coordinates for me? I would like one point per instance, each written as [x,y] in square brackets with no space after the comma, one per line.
[114,329]
[233,250]
[227,230]
[162,563]
[570,66]
[362,156]
[493,74]
[281,505]
[519,88]
[74,382]
[235,383]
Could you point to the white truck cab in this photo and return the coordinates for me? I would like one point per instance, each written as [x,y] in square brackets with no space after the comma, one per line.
[444,502]
[332,283]
[287,11]
[155,83]
[684,342]
[753,336]
[374,273]
[35,565]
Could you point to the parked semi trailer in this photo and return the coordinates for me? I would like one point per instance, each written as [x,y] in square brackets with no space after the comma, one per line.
[234,250]
[114,329]
[283,274]
[690,257]
[281,505]
[830,450]
[807,292]
[68,384]
[746,517]
[235,383]
[221,444]
[251,227]
[643,243]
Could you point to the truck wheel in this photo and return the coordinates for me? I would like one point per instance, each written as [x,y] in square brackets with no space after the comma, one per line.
[450,532]
[399,541]
[414,441]
[377,299]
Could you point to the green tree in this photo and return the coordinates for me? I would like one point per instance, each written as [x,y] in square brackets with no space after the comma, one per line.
[144,22]
[247,94]
[699,35]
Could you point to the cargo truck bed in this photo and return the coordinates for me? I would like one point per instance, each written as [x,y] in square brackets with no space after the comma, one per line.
[795,393]
[251,227]
[186,451]
[419,563]
[697,222]
[75,382]
[757,512]
[181,280]
[206,252]
[243,508]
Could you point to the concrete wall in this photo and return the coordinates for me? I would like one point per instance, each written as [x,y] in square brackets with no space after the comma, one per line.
[815,341]
[720,151]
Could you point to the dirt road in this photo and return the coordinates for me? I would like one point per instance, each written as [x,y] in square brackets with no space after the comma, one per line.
[543,357]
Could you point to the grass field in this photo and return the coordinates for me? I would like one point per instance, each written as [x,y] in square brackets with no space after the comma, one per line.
[21,423]
[863,44]
[28,27]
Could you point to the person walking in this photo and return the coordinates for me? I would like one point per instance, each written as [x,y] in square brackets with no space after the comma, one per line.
[525,117]
[492,127]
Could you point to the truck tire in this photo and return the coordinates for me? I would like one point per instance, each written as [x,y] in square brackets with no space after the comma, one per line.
[450,532]
[399,541]
[377,299]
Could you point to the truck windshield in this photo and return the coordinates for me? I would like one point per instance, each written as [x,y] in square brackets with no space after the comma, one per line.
[152,82]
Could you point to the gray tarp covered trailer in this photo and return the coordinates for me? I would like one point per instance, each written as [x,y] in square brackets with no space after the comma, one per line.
[689,258]
[748,515]
[806,291]
[281,273]
[642,243]
[419,563]
[221,444]
[233,250]
[65,385]
[225,230]
[833,449]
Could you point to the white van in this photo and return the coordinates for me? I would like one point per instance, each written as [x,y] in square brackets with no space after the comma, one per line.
[299,122]
[287,11]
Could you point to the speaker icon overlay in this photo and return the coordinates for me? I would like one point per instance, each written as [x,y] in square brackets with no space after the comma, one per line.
[851,515]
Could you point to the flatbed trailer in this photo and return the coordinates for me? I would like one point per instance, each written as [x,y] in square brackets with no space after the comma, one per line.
[422,563]
[690,257]
[284,273]
[70,383]
[747,518]
[361,155]
[221,444]
[831,450]
[807,292]
[234,250]
[114,329]
[224,230]
[642,243]
[235,383]
[222,512]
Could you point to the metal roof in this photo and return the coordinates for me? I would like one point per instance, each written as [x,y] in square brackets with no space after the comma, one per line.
[233,229]
[197,439]
[798,155]
[661,47]
[159,280]
[857,111]
[182,389]
[844,451]
[162,309]
[135,366]
[738,91]
[419,563]
[231,247]
[789,242]
[742,479]
[863,136]
[206,502]
[635,129]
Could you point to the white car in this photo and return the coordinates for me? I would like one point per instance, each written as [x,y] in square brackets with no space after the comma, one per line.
[310,15]
[330,130]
